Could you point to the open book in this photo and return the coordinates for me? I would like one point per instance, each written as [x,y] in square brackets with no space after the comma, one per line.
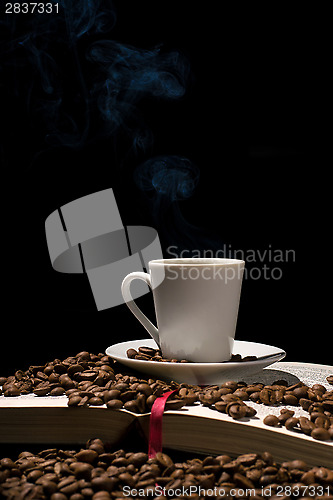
[33,419]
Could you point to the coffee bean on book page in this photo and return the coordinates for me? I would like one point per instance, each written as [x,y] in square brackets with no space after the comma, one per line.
[268,397]
[285,414]
[290,399]
[114,404]
[271,420]
[320,433]
[12,391]
[236,410]
[306,425]
[89,380]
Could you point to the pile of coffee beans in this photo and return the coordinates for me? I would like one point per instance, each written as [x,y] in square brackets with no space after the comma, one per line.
[316,400]
[95,380]
[145,353]
[89,379]
[99,473]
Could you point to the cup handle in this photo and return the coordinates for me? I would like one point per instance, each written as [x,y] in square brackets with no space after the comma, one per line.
[125,290]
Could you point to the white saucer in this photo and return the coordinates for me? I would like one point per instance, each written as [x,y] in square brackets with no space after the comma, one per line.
[199,373]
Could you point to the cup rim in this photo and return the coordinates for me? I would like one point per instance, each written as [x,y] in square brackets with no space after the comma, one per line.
[197,261]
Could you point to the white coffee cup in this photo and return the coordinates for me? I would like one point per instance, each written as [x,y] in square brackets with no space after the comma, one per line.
[196,304]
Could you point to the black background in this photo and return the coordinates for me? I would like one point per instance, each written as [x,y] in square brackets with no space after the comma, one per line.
[245,121]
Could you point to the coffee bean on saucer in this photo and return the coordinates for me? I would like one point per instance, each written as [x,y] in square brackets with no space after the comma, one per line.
[131,353]
[235,358]
[146,353]
[149,351]
[249,358]
[143,357]
[329,379]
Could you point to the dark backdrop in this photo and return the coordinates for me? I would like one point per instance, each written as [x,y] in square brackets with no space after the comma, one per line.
[244,121]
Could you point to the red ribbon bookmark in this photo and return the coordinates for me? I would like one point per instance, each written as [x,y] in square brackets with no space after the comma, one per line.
[155,424]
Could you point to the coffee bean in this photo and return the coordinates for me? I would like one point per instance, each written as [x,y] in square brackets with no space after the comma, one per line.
[322,421]
[109,472]
[290,399]
[268,397]
[96,401]
[228,398]
[131,406]
[320,433]
[74,400]
[236,411]
[174,404]
[138,459]
[86,456]
[319,388]
[241,394]
[285,414]
[291,423]
[114,404]
[69,489]
[84,401]
[255,396]
[112,394]
[188,395]
[329,379]
[42,391]
[301,392]
[141,403]
[163,459]
[12,391]
[150,401]
[250,411]
[60,368]
[145,389]
[243,481]
[221,406]
[99,495]
[57,391]
[305,403]
[272,421]
[127,396]
[306,425]
[149,351]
